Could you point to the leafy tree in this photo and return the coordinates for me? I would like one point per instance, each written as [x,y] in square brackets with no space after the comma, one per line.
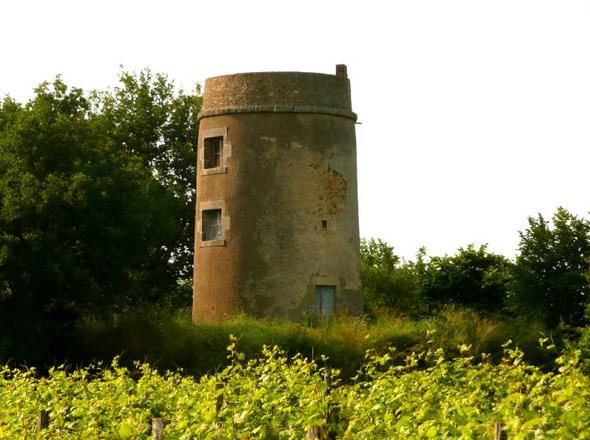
[150,120]
[550,275]
[473,277]
[388,282]
[95,216]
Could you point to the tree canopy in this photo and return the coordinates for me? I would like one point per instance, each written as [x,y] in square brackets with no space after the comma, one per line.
[473,277]
[96,203]
[548,281]
[388,281]
[550,275]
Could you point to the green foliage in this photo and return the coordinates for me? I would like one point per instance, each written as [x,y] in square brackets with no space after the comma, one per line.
[273,397]
[170,341]
[463,398]
[92,214]
[472,277]
[550,275]
[277,397]
[387,281]
[148,118]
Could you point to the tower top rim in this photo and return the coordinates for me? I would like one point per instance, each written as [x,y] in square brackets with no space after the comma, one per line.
[278,92]
[273,72]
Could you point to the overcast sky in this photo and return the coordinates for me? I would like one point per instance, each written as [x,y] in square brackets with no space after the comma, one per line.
[475,114]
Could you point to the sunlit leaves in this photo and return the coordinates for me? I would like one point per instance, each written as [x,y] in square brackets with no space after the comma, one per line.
[276,397]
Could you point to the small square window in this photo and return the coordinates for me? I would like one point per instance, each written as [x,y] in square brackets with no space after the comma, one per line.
[211,225]
[213,149]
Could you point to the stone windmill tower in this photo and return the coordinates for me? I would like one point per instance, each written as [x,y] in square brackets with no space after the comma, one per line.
[277,211]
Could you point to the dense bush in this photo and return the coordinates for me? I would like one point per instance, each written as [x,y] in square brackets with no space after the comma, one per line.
[549,280]
[389,282]
[472,277]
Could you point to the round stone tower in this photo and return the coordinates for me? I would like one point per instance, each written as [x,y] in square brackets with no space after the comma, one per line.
[277,212]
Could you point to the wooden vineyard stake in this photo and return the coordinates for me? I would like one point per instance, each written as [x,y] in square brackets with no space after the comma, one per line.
[42,420]
[500,434]
[157,429]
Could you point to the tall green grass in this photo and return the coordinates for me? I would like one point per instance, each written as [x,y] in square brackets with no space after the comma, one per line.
[171,340]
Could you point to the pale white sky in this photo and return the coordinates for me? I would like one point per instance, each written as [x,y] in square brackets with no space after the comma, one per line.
[475,114]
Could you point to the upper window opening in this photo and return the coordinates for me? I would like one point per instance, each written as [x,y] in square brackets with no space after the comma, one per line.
[211,224]
[213,148]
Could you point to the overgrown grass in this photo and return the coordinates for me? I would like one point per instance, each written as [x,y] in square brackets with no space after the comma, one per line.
[171,341]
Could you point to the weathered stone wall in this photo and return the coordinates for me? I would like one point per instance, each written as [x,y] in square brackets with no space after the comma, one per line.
[288,192]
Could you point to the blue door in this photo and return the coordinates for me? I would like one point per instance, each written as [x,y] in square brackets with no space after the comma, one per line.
[325,301]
